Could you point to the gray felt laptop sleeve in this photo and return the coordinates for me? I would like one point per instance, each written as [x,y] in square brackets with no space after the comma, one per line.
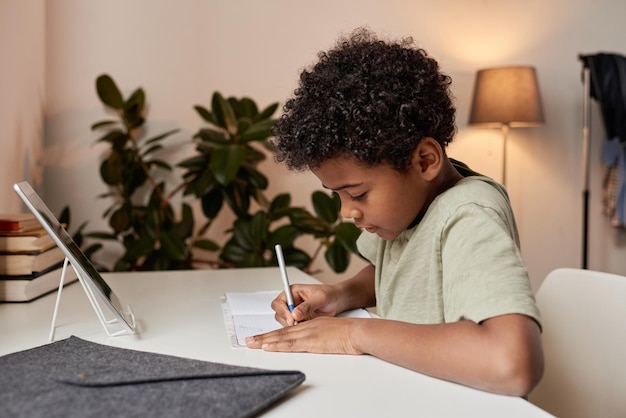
[78,378]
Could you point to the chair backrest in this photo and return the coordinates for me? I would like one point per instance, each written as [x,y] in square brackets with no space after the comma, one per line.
[583,314]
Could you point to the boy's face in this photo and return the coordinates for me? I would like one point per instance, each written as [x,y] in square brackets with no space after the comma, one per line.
[379,199]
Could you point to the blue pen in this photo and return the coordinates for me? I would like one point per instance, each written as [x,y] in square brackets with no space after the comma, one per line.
[283,273]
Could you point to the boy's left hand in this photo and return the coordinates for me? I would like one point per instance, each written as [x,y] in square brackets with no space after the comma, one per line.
[324,335]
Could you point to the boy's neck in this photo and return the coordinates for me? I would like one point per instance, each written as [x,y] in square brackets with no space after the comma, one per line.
[447,178]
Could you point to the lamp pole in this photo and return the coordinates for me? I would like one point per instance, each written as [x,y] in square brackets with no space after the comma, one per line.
[505,133]
[586,143]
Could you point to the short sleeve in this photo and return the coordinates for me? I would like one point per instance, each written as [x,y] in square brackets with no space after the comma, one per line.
[483,272]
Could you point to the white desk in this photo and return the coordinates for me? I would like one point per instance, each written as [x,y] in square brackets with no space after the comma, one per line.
[179,313]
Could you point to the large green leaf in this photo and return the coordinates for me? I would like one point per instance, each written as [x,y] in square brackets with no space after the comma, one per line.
[240,257]
[297,258]
[162,136]
[308,223]
[224,114]
[159,260]
[243,123]
[133,178]
[212,203]
[204,183]
[108,92]
[159,163]
[116,138]
[243,233]
[111,169]
[133,109]
[135,102]
[103,124]
[225,162]
[237,196]
[205,114]
[248,108]
[211,136]
[234,253]
[259,196]
[174,246]
[336,202]
[120,219]
[268,146]
[151,149]
[185,227]
[254,177]
[346,234]
[268,111]
[138,248]
[206,244]
[314,226]
[324,207]
[258,131]
[259,228]
[155,217]
[196,163]
[253,156]
[282,201]
[234,104]
[284,235]
[65,216]
[102,235]
[121,265]
[337,258]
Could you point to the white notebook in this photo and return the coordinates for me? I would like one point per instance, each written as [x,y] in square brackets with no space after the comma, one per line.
[250,313]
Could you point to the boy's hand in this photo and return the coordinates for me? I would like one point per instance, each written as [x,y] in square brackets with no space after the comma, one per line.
[320,335]
[311,302]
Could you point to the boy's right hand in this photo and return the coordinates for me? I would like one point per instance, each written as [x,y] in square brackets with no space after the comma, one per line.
[311,301]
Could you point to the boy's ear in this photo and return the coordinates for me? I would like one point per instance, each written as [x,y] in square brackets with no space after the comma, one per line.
[428,158]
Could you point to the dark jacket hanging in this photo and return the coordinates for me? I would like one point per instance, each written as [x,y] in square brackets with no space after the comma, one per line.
[608,87]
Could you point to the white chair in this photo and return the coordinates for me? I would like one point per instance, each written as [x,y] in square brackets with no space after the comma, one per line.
[584,340]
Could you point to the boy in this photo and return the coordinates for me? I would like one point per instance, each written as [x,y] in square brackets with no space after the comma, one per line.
[371,120]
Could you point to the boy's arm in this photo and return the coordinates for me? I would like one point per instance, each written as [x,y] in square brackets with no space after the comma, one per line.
[502,354]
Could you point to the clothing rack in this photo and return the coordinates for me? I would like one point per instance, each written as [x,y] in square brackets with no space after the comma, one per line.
[604,79]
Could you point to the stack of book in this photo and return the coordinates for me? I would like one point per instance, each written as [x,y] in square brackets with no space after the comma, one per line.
[30,261]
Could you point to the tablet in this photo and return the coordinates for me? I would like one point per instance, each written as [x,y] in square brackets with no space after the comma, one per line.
[86,271]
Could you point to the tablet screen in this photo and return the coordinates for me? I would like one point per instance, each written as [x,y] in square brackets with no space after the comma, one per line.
[84,268]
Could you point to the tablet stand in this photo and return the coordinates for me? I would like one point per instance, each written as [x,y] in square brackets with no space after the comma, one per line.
[109,325]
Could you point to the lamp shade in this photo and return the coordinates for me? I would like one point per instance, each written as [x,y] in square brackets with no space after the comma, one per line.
[506,96]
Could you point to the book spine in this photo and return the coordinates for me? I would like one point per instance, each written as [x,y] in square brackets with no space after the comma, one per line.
[9,225]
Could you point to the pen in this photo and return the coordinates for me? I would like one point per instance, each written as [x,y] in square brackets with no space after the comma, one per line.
[283,273]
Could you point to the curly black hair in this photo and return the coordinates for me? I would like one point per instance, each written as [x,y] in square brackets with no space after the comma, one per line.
[366,98]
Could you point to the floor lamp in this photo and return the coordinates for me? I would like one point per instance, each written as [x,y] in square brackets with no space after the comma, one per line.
[506,97]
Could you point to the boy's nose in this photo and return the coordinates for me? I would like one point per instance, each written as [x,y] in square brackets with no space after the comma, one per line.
[350,213]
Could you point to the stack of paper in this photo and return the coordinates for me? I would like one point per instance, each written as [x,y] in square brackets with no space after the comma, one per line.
[248,314]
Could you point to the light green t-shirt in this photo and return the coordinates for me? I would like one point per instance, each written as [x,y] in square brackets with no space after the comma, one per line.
[461,261]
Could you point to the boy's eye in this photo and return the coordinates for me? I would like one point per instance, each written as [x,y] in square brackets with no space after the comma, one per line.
[358,198]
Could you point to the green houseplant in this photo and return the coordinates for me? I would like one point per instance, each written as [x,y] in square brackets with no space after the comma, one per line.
[223,172]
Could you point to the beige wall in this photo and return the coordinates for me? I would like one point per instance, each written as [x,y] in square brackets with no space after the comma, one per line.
[22,93]
[181,51]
